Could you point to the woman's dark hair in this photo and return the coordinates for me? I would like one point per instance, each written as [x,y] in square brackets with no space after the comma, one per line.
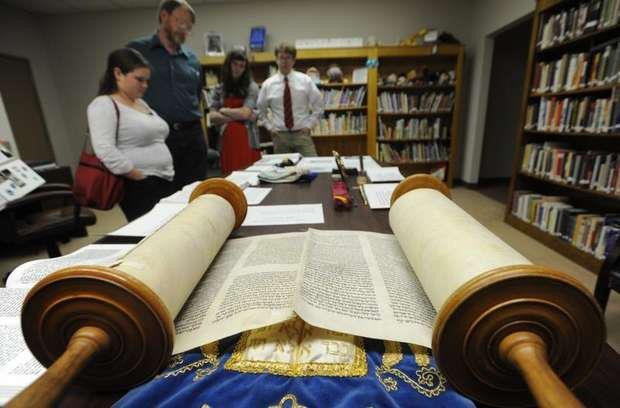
[125,59]
[241,86]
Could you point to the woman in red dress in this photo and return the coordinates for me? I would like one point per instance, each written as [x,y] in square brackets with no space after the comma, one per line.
[234,109]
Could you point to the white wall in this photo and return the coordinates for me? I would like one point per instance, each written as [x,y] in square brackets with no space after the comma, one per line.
[489,16]
[78,44]
[21,37]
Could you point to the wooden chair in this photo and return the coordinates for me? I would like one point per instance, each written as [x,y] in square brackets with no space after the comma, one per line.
[45,216]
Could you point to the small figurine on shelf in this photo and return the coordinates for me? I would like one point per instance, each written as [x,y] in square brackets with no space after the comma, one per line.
[314,74]
[402,80]
[391,79]
[334,74]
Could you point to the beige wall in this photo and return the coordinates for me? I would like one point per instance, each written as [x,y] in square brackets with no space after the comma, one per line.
[72,53]
[489,16]
[22,38]
[78,44]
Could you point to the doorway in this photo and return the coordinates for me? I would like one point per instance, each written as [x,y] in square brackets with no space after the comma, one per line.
[23,109]
[508,66]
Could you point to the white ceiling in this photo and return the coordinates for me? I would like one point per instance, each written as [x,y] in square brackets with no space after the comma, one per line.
[80,6]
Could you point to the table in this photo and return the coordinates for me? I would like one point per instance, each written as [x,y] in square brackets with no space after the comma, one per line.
[599,390]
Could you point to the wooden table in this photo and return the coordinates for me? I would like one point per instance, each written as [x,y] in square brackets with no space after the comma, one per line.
[599,390]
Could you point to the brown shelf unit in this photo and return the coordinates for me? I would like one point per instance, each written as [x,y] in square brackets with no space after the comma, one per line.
[397,60]
[393,58]
[591,200]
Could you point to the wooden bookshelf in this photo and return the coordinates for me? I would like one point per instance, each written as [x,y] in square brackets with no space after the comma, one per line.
[347,109]
[575,92]
[395,58]
[437,59]
[560,245]
[594,201]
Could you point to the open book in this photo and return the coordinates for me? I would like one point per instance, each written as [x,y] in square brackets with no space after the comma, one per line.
[348,281]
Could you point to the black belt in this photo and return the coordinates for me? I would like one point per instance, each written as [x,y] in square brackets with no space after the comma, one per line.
[183,125]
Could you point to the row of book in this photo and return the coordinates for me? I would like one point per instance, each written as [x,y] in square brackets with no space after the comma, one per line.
[571,23]
[402,102]
[594,233]
[344,98]
[413,152]
[577,71]
[593,170]
[415,129]
[586,114]
[338,124]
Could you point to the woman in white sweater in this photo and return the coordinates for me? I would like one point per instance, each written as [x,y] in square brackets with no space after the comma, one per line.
[139,152]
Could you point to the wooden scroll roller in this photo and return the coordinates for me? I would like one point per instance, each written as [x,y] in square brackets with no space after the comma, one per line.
[503,325]
[112,327]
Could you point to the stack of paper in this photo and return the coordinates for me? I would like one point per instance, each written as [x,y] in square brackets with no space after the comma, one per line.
[383,174]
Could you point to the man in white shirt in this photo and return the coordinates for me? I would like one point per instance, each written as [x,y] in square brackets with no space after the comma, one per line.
[296,105]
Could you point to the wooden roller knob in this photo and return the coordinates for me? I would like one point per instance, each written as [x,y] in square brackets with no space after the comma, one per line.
[417,181]
[518,327]
[227,190]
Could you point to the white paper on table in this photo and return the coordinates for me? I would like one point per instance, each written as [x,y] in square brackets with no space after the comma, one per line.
[259,167]
[181,196]
[378,195]
[244,178]
[151,221]
[383,174]
[271,159]
[321,164]
[255,195]
[351,162]
[28,274]
[284,215]
[325,164]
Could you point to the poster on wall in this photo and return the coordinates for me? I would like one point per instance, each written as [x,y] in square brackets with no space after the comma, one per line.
[6,133]
[16,178]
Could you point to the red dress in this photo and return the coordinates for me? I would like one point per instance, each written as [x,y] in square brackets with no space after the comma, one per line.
[236,153]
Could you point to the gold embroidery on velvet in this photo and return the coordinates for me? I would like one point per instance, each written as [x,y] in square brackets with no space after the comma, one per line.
[209,354]
[429,381]
[175,360]
[288,397]
[422,355]
[205,366]
[393,353]
[291,341]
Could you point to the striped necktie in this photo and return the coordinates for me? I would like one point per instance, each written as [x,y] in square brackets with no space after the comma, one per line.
[288,106]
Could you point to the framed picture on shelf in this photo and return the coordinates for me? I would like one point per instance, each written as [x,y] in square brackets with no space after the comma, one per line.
[214,44]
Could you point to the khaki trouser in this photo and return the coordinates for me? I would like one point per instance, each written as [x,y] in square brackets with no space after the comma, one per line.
[298,141]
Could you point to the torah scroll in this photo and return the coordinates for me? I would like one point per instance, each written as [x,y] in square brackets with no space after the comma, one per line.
[495,309]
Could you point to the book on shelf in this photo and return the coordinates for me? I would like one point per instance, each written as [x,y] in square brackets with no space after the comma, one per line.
[344,98]
[557,217]
[414,129]
[588,169]
[413,152]
[583,18]
[402,102]
[586,114]
[343,123]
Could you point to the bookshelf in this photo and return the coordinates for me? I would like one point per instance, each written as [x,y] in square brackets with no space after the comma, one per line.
[564,190]
[442,57]
[418,120]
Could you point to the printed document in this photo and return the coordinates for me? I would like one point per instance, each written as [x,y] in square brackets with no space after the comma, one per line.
[378,195]
[284,215]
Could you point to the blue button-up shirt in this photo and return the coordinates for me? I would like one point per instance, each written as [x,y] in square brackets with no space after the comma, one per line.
[176,81]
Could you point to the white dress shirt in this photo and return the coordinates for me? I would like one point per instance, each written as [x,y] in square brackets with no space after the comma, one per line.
[306,100]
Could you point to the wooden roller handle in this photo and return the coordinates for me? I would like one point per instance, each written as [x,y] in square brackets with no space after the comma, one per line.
[83,345]
[528,352]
